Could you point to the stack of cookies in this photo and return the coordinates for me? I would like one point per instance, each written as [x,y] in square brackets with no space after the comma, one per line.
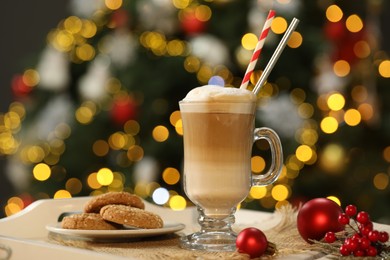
[112,211]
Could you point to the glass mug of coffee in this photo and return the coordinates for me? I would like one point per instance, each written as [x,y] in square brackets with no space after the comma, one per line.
[219,133]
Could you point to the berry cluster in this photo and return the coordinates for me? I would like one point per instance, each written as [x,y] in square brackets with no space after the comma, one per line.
[363,239]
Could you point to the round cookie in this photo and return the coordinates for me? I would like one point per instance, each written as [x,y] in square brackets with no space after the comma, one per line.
[130,216]
[87,221]
[117,198]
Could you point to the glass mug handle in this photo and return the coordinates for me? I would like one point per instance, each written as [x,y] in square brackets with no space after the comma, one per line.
[277,157]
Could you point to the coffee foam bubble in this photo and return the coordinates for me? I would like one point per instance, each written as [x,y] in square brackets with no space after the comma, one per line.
[218,93]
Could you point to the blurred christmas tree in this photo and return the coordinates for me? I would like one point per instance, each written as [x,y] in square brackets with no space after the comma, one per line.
[99,109]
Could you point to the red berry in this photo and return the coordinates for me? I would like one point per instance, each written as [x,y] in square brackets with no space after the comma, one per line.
[344,250]
[343,219]
[365,243]
[356,236]
[350,210]
[372,251]
[330,237]
[359,252]
[365,230]
[363,217]
[373,235]
[351,244]
[383,236]
[369,224]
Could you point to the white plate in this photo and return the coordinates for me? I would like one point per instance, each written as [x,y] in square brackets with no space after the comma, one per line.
[169,227]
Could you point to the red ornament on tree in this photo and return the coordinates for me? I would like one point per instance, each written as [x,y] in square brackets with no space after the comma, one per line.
[19,87]
[251,241]
[123,109]
[317,217]
[191,24]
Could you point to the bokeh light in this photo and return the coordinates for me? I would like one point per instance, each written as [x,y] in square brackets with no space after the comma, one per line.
[41,172]
[334,13]
[105,176]
[279,25]
[177,203]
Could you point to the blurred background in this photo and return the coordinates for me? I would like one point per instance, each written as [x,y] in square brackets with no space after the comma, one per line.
[89,93]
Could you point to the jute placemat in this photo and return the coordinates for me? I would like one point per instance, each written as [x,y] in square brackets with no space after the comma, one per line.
[284,235]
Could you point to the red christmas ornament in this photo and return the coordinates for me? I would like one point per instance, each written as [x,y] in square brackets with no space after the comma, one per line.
[191,24]
[123,109]
[19,88]
[251,241]
[120,18]
[317,217]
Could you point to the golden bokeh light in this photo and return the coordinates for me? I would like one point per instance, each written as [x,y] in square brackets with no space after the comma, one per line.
[335,199]
[177,203]
[179,127]
[280,192]
[171,176]
[105,176]
[362,49]
[341,68]
[366,111]
[203,13]
[160,133]
[304,153]
[336,101]
[62,194]
[181,4]
[73,185]
[295,40]
[329,125]
[257,164]
[131,127]
[384,69]
[88,29]
[174,117]
[333,158]
[334,13]
[41,172]
[354,23]
[258,192]
[381,181]
[30,77]
[73,24]
[249,41]
[100,148]
[85,52]
[113,4]
[279,25]
[352,117]
[386,154]
[305,110]
[135,153]
[93,182]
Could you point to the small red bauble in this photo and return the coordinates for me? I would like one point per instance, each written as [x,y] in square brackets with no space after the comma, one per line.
[251,241]
[192,25]
[318,216]
[123,109]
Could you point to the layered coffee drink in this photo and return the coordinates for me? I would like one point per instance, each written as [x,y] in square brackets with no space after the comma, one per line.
[218,128]
[218,133]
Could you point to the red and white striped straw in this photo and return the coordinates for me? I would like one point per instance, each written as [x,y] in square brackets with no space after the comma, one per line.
[258,48]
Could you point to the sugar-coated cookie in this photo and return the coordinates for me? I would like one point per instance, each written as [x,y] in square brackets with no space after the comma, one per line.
[87,221]
[118,198]
[130,216]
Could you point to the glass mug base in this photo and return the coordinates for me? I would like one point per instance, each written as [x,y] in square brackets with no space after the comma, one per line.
[210,241]
[215,234]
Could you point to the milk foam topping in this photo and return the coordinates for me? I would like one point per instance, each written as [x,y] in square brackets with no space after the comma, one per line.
[218,93]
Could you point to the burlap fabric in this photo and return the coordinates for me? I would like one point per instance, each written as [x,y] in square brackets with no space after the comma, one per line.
[284,235]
